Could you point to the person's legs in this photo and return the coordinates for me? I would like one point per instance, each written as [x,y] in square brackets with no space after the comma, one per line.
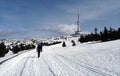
[38,54]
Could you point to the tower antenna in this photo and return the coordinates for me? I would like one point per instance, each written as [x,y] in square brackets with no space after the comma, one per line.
[78,22]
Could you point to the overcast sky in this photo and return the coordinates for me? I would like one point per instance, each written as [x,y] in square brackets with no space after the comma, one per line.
[33,18]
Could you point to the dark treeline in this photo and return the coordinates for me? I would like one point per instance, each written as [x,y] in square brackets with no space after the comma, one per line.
[21,47]
[49,44]
[105,35]
[15,48]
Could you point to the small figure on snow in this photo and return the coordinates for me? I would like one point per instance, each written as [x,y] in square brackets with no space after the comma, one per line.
[39,49]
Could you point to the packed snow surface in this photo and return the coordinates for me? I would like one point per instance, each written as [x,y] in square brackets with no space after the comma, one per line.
[87,59]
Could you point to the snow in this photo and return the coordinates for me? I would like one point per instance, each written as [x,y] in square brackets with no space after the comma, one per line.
[87,59]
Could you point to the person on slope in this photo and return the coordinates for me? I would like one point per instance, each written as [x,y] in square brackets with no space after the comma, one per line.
[39,49]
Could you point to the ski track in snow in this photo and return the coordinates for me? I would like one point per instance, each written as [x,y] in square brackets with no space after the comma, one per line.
[15,66]
[77,66]
[50,63]
[49,67]
[55,67]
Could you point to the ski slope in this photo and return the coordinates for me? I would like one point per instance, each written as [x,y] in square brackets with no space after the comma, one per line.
[87,59]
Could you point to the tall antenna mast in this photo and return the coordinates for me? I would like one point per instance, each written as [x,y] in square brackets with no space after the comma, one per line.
[78,23]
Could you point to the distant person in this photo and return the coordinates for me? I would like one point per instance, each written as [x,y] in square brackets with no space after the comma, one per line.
[39,49]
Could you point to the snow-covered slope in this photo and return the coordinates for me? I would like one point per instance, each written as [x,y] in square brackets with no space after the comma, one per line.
[88,59]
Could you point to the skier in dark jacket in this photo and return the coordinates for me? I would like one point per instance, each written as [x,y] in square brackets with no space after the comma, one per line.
[39,49]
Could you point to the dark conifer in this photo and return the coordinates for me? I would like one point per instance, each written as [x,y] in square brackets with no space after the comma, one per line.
[73,43]
[3,49]
[63,45]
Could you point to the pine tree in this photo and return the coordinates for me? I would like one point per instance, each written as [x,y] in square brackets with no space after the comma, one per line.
[73,43]
[118,33]
[15,49]
[95,30]
[96,35]
[63,45]
[3,49]
[105,34]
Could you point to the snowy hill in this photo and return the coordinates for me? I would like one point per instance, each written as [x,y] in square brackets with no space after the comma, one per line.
[87,59]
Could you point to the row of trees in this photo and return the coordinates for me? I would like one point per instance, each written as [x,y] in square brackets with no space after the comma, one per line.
[21,47]
[15,49]
[52,43]
[105,35]
[73,43]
